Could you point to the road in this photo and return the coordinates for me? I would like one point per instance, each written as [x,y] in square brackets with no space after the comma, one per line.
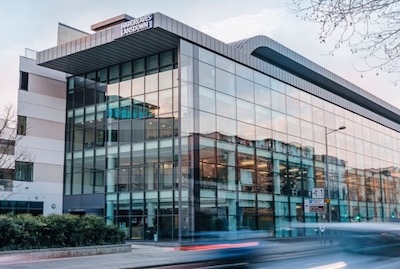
[336,260]
[301,255]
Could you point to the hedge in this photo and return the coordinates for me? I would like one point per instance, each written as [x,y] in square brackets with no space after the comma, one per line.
[25,231]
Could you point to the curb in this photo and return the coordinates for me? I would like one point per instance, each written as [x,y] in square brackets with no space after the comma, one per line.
[40,254]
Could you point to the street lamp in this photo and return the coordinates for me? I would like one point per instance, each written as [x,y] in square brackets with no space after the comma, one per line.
[327,132]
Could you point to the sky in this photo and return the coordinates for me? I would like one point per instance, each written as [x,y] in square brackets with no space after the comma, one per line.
[33,25]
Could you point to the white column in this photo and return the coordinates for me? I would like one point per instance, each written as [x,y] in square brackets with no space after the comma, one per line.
[110,189]
[277,178]
[310,178]
[150,214]
[149,181]
[231,173]
[232,211]
[231,195]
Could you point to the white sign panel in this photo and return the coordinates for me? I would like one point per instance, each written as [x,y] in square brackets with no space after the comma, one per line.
[314,206]
[318,193]
[137,25]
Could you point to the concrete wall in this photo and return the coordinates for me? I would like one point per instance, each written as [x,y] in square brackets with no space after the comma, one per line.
[44,105]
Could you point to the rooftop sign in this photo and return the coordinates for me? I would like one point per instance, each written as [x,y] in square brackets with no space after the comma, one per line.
[137,25]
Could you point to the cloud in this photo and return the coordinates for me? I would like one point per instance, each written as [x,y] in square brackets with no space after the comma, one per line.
[243,26]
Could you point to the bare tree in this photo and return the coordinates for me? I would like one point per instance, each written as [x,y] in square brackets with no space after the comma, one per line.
[369,27]
[8,152]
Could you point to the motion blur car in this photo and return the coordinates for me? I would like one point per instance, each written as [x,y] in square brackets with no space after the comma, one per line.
[233,249]
[371,238]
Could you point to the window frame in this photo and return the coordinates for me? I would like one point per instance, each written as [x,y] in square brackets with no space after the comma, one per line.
[21,125]
[23,171]
[23,80]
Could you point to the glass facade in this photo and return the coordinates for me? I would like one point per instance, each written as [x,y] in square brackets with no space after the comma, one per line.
[121,134]
[258,147]
[187,140]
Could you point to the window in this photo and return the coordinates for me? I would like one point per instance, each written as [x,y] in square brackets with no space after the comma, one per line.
[19,207]
[21,125]
[23,171]
[23,81]
[7,146]
[6,184]
[97,179]
[6,173]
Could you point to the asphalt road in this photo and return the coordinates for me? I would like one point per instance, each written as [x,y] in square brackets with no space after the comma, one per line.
[298,255]
[336,260]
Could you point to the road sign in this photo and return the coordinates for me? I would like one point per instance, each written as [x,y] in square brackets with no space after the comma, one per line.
[318,193]
[314,206]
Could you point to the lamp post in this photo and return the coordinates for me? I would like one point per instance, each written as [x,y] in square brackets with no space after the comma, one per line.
[327,132]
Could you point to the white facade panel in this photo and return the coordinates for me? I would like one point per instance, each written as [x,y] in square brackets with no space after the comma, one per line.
[30,66]
[41,99]
[52,173]
[44,106]
[37,111]
[47,129]
[42,155]
[48,193]
[46,86]
[39,143]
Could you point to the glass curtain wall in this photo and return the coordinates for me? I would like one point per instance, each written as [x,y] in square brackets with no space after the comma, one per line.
[121,134]
[256,148]
[223,148]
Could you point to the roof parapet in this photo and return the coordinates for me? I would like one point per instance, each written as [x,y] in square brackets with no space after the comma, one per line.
[110,22]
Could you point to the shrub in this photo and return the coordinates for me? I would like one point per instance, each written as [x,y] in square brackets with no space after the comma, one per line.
[29,232]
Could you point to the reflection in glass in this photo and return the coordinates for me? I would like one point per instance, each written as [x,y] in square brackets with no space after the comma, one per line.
[165,101]
[293,107]
[125,89]
[278,101]
[226,105]
[246,132]
[292,91]
[244,72]
[165,80]
[306,130]
[226,127]
[263,117]
[206,75]
[225,64]
[293,126]
[207,123]
[206,56]
[262,96]
[151,83]
[138,86]
[245,111]
[279,122]
[112,91]
[226,82]
[262,79]
[245,89]
[267,144]
[207,100]
[277,85]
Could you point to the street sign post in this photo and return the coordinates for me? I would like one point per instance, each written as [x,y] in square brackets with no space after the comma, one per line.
[318,193]
[314,206]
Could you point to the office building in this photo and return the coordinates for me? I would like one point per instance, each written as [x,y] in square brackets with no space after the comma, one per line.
[170,131]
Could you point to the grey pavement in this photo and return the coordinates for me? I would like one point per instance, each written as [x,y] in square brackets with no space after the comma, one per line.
[148,256]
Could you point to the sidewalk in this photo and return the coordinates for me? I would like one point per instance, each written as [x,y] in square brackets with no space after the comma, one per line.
[141,255]
[151,255]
